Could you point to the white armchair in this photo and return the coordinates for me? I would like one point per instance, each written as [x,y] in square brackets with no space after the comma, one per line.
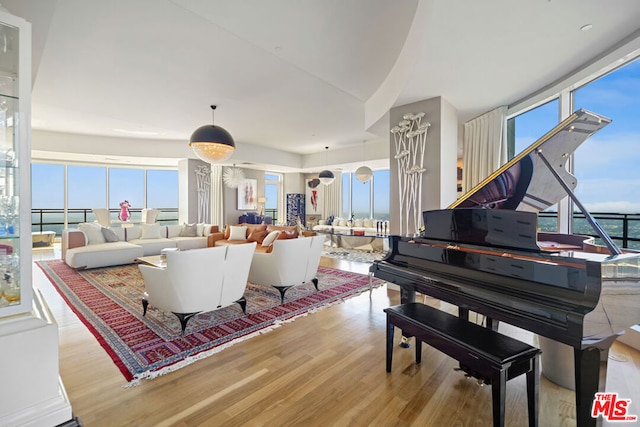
[103,216]
[291,262]
[149,215]
[198,280]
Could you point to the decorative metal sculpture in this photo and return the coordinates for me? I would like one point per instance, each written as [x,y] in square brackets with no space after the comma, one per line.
[203,188]
[410,137]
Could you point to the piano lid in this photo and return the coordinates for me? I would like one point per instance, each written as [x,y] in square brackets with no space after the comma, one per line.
[525,183]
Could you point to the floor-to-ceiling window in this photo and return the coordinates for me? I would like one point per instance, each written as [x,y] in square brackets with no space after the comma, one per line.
[381,194]
[162,192]
[88,187]
[527,128]
[126,185]
[47,197]
[606,164]
[366,200]
[273,194]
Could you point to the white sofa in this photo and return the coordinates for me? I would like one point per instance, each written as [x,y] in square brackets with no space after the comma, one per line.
[92,246]
[342,225]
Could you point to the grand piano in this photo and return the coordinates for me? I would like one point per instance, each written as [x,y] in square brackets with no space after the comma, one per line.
[485,255]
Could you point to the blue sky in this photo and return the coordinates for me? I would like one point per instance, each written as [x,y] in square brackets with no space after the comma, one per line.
[606,165]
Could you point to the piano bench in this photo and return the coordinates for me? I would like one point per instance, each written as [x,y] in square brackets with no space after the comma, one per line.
[484,354]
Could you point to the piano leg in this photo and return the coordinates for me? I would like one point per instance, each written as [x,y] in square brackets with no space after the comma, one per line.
[591,377]
[406,296]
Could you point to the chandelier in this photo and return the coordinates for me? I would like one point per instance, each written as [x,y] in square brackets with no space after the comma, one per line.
[212,143]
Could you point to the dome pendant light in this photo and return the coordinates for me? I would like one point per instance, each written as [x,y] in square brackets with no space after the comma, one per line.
[212,143]
[363,173]
[326,176]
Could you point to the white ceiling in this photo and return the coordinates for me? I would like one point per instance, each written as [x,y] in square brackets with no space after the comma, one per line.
[298,75]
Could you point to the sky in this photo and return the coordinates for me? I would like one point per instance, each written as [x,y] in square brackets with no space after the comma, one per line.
[606,164]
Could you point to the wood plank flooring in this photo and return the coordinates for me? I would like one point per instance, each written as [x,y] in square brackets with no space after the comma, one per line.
[325,369]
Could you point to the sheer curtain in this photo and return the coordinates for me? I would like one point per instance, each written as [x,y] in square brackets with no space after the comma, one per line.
[217,192]
[485,146]
[333,197]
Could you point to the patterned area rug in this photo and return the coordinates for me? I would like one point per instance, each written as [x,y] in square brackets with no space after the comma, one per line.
[108,302]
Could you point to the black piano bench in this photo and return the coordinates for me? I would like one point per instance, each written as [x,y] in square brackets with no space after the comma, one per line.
[484,354]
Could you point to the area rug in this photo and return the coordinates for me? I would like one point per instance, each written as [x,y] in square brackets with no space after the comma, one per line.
[108,302]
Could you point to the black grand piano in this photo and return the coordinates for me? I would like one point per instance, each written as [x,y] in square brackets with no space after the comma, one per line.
[484,254]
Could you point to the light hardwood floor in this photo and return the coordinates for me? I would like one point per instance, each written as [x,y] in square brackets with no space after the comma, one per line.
[325,369]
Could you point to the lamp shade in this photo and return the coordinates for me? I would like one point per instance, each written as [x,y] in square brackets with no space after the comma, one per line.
[326,177]
[212,143]
[363,174]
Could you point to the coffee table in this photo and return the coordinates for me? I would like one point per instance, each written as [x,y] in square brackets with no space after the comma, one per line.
[154,260]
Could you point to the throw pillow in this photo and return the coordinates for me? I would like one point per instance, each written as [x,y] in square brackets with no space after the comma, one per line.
[173,230]
[151,232]
[189,230]
[271,237]
[93,233]
[109,235]
[237,232]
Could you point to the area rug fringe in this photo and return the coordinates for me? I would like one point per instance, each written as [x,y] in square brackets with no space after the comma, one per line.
[149,375]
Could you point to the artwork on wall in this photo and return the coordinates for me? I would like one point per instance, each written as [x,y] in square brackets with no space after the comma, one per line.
[248,195]
[410,139]
[314,200]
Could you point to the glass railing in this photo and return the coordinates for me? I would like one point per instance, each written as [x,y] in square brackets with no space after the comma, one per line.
[54,219]
[624,229]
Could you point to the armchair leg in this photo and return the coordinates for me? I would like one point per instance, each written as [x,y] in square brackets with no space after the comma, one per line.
[315,283]
[282,290]
[243,304]
[145,304]
[184,318]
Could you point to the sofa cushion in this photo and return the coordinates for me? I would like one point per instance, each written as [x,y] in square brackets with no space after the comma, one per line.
[257,236]
[271,237]
[173,230]
[103,255]
[133,233]
[154,246]
[237,232]
[186,243]
[203,230]
[189,230]
[110,236]
[151,232]
[93,232]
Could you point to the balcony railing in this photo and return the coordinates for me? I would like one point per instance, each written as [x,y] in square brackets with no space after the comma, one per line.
[624,229]
[53,219]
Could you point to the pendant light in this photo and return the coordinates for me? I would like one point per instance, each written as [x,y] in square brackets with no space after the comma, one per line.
[212,143]
[326,176]
[363,173]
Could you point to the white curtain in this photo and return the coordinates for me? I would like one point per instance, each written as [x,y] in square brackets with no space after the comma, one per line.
[217,193]
[485,146]
[333,197]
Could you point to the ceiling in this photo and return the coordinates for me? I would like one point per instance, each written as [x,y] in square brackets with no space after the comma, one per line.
[298,75]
